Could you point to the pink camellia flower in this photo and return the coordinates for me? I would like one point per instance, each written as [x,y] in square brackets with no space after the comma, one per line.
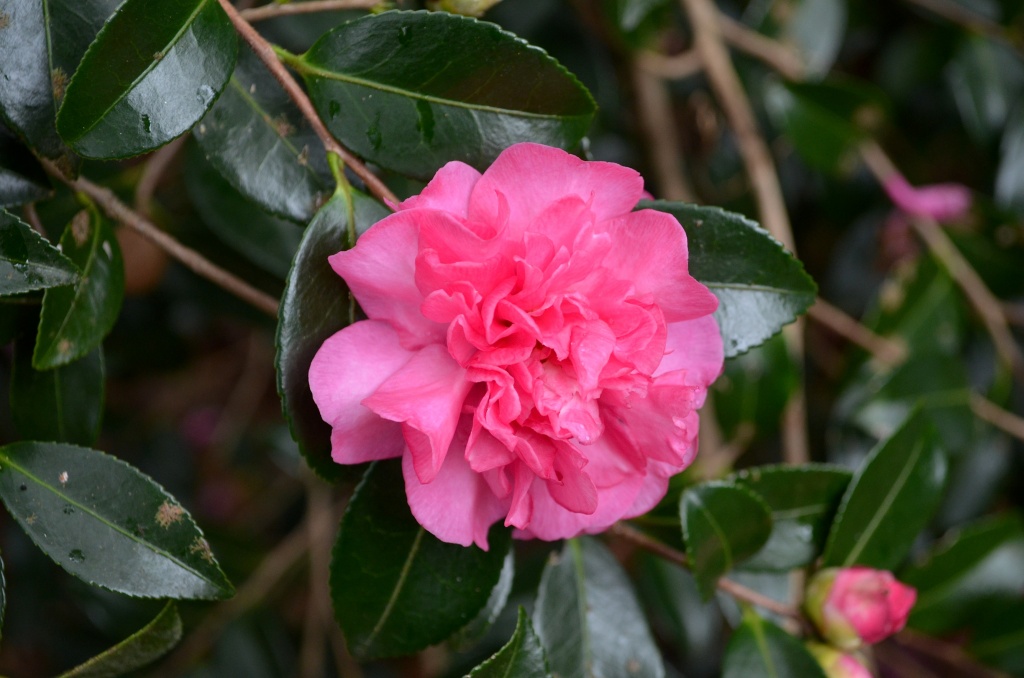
[856,605]
[942,202]
[535,350]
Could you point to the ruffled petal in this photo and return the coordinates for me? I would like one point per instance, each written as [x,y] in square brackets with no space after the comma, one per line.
[380,271]
[696,347]
[426,395]
[457,506]
[348,368]
[551,521]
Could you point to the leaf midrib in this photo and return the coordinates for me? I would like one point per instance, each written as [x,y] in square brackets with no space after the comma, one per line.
[726,547]
[396,591]
[757,628]
[171,44]
[152,547]
[308,68]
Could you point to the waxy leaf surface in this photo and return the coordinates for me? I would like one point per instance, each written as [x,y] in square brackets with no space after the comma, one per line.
[588,618]
[314,306]
[63,404]
[143,647]
[890,499]
[75,319]
[151,74]
[106,523]
[258,141]
[411,91]
[22,178]
[760,649]
[760,286]
[802,501]
[27,261]
[396,588]
[522,657]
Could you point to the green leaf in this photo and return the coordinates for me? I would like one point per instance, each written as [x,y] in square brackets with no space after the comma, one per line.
[802,501]
[754,389]
[27,261]
[411,91]
[255,137]
[41,43]
[22,178]
[63,404]
[1010,175]
[75,319]
[966,570]
[816,29]
[269,242]
[522,657]
[890,499]
[150,75]
[760,287]
[314,306]
[760,649]
[588,618]
[986,79]
[106,523]
[396,588]
[998,638]
[145,646]
[476,629]
[723,525]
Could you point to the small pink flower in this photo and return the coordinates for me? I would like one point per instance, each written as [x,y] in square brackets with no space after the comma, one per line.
[838,664]
[942,202]
[535,350]
[858,605]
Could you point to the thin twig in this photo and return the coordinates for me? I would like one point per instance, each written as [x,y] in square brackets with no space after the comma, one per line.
[202,266]
[735,589]
[889,352]
[276,9]
[959,14]
[269,58]
[777,55]
[675,67]
[1002,419]
[654,106]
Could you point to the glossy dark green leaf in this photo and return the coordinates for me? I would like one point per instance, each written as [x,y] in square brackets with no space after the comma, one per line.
[41,43]
[411,91]
[63,404]
[396,588]
[891,498]
[998,638]
[965,571]
[802,501]
[723,525]
[476,629]
[27,261]
[522,657]
[752,392]
[106,523]
[760,649]
[269,242]
[150,75]
[76,318]
[258,141]
[588,618]
[22,178]
[314,306]
[760,287]
[141,648]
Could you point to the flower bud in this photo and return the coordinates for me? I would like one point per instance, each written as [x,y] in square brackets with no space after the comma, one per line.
[838,664]
[857,605]
[465,7]
[942,202]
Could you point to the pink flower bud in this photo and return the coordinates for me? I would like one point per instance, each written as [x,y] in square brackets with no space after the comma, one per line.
[858,605]
[838,664]
[942,202]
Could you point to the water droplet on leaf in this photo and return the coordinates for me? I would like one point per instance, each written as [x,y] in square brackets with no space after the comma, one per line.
[77,556]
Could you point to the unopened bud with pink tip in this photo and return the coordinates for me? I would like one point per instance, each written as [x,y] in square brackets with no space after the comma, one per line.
[856,605]
[838,664]
[942,202]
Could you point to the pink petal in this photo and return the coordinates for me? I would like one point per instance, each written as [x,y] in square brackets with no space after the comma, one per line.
[448,191]
[426,395]
[651,492]
[347,368]
[942,202]
[551,521]
[572,488]
[457,506]
[694,346]
[650,251]
[380,271]
[531,176]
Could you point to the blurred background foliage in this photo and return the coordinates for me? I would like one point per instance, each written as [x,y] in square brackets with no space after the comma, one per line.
[191,401]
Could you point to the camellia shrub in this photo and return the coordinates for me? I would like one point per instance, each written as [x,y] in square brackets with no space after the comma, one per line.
[469,338]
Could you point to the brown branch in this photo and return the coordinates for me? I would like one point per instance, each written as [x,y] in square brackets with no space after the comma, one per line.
[735,589]
[269,58]
[275,9]
[777,55]
[199,264]
[1002,419]
[654,106]
[675,67]
[958,14]
[889,352]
